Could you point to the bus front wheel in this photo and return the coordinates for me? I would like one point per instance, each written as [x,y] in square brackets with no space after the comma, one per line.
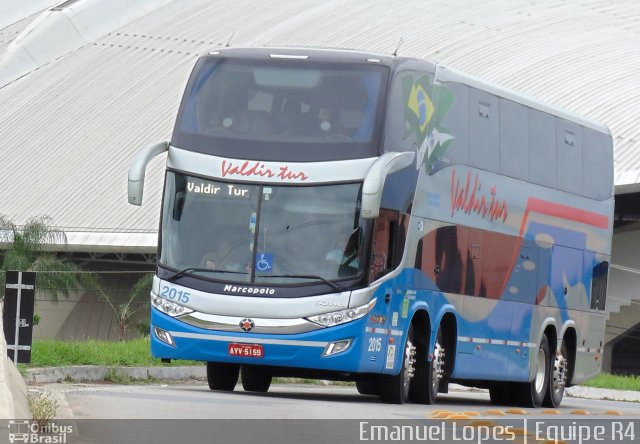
[368,387]
[394,389]
[256,378]
[222,377]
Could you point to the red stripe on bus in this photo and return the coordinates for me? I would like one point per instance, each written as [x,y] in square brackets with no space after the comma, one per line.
[569,213]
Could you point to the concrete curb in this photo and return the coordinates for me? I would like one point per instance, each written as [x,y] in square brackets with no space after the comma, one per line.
[94,373]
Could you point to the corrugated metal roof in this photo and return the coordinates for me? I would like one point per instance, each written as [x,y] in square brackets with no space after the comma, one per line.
[70,128]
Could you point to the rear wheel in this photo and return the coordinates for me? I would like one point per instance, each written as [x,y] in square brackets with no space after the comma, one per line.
[222,377]
[557,378]
[394,389]
[531,394]
[428,375]
[256,378]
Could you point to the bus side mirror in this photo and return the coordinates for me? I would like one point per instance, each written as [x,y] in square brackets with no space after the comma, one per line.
[137,169]
[373,184]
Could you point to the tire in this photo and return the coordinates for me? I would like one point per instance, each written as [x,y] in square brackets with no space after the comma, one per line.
[557,378]
[222,377]
[256,378]
[429,375]
[394,389]
[531,394]
[501,394]
[368,387]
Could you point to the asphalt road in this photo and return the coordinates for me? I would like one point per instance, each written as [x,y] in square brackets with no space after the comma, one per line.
[285,401]
[309,414]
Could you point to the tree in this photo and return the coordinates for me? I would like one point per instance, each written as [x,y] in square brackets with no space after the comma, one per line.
[30,248]
[138,300]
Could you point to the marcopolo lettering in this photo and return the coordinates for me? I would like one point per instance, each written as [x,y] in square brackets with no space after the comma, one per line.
[248,290]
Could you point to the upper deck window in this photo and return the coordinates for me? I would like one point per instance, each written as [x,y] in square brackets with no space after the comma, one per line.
[282,109]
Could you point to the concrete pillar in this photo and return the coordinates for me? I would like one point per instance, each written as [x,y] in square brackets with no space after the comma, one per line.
[13,390]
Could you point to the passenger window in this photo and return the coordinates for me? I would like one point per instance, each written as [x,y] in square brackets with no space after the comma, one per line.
[388,244]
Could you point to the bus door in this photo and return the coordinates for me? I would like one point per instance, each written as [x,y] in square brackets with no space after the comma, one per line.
[393,305]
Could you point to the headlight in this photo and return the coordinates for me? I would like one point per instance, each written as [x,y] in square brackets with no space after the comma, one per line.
[167,307]
[342,316]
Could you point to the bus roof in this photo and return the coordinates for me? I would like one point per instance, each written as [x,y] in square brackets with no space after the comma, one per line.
[444,74]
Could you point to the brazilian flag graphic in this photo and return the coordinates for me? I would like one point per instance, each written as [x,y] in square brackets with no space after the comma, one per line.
[425,107]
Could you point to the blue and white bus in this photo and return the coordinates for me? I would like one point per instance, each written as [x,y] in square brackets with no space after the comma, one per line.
[385,220]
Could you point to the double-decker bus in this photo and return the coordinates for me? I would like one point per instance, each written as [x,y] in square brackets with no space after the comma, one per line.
[345,215]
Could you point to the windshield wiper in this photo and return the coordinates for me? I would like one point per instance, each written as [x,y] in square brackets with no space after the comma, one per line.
[303,276]
[190,269]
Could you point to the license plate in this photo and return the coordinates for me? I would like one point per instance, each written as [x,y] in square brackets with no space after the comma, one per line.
[246,350]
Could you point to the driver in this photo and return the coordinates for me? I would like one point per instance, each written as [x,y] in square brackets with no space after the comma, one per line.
[342,248]
[224,258]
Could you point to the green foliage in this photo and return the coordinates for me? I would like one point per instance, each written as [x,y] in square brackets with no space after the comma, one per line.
[608,381]
[126,311]
[29,248]
[133,353]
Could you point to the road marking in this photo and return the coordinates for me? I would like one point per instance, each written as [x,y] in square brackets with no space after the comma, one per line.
[517,412]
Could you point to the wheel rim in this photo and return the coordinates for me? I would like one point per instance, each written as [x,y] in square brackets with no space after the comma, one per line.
[542,371]
[559,374]
[437,371]
[409,369]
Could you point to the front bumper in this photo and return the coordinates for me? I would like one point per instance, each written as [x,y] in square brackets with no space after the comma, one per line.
[303,350]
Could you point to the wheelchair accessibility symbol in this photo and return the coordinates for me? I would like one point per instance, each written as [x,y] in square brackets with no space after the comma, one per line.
[264,262]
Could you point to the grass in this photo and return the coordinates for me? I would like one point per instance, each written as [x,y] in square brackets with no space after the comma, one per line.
[43,408]
[113,377]
[134,353]
[616,382]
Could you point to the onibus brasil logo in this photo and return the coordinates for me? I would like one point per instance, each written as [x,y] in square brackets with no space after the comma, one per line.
[32,432]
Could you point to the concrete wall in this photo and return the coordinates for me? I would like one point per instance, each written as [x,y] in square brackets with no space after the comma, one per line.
[85,314]
[624,290]
[13,390]
[624,286]
[617,325]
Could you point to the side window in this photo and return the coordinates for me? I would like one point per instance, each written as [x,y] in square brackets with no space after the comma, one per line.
[400,118]
[484,130]
[569,156]
[542,149]
[388,244]
[599,286]
[443,253]
[467,261]
[416,107]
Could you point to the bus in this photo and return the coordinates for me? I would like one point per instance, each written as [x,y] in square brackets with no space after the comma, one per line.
[354,216]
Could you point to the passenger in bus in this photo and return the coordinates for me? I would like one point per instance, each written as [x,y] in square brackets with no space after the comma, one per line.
[224,258]
[209,261]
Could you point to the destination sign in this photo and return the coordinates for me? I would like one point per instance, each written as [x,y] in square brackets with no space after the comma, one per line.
[221,190]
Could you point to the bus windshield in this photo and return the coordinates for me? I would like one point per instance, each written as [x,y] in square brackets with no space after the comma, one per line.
[274,235]
[276,110]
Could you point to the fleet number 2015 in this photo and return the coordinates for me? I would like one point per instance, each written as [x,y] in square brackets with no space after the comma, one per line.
[375,344]
[174,295]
